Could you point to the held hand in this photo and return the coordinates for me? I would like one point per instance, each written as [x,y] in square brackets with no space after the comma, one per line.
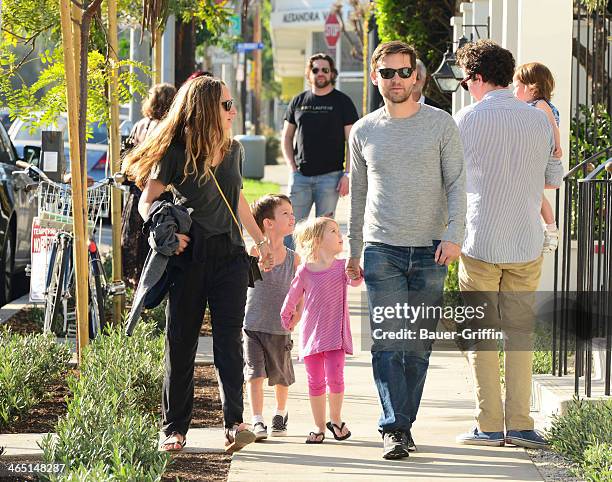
[183,240]
[266,259]
[353,270]
[447,252]
[343,186]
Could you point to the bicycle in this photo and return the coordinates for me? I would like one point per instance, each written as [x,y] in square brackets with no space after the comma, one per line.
[55,211]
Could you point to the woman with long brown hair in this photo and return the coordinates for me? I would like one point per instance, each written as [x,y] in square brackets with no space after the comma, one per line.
[134,245]
[190,152]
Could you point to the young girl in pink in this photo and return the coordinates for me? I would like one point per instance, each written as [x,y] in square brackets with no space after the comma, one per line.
[325,330]
[534,84]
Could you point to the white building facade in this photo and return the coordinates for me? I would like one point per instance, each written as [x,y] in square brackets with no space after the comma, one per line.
[297,28]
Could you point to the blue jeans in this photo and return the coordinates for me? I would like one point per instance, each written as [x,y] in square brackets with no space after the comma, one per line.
[401,275]
[306,190]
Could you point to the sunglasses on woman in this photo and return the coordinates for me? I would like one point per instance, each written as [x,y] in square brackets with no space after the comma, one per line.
[227,104]
[388,73]
[316,70]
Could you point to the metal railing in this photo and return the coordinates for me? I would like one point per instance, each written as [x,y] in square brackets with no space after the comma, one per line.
[583,311]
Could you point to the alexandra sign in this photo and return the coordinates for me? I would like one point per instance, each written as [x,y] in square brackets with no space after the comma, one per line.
[313,18]
[305,16]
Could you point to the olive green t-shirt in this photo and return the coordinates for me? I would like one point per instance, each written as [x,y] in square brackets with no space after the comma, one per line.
[209,209]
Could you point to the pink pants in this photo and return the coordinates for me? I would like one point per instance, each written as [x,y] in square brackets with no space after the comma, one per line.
[325,368]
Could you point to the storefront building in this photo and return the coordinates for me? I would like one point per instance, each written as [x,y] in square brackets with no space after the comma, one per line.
[297,33]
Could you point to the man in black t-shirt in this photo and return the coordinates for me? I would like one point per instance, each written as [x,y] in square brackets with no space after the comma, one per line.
[317,125]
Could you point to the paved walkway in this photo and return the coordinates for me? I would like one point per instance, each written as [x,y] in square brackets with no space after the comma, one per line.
[446,410]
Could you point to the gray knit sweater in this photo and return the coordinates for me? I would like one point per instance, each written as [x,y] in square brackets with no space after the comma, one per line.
[407,180]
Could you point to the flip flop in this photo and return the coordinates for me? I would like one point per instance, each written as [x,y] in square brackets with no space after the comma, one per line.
[316,435]
[331,427]
[242,438]
[167,442]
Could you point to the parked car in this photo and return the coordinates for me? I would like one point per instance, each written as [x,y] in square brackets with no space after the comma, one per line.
[18,206]
[23,133]
[5,120]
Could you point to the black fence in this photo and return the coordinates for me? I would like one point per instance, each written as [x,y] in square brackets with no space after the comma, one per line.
[586,269]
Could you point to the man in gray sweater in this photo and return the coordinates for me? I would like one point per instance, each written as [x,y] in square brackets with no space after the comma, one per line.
[408,206]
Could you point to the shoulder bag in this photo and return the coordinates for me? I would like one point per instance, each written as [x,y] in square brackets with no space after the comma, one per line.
[254,271]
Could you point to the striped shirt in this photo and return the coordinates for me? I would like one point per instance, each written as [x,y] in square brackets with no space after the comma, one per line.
[325,324]
[508,149]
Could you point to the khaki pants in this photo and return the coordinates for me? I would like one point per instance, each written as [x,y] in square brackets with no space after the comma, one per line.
[508,289]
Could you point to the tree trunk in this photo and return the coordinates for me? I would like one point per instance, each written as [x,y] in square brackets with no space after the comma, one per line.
[184,63]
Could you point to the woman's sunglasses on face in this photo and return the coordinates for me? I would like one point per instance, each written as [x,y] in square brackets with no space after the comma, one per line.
[227,104]
[316,70]
[389,73]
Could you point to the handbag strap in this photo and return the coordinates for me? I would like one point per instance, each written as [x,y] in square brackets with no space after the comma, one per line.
[227,204]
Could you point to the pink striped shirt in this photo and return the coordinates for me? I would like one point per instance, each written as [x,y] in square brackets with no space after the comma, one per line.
[325,323]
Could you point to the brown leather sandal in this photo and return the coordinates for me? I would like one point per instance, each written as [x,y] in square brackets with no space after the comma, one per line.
[316,436]
[163,447]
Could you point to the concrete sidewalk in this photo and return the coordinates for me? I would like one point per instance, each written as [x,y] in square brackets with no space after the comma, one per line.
[446,410]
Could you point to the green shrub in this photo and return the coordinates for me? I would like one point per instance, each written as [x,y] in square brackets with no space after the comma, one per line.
[597,466]
[542,362]
[28,365]
[111,426]
[586,424]
[451,283]
[273,147]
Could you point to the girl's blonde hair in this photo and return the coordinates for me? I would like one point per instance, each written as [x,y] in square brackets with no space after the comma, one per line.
[538,78]
[194,118]
[308,236]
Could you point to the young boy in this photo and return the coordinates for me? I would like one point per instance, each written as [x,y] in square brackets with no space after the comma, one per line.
[267,345]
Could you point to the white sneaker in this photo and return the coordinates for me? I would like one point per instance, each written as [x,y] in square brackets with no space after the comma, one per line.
[551,241]
[260,431]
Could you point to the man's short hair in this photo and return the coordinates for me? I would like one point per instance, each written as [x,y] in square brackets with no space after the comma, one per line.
[494,63]
[393,47]
[330,60]
[264,207]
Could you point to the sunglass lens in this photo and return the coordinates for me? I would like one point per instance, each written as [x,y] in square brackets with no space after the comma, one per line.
[227,105]
[387,73]
[325,70]
[315,70]
[405,72]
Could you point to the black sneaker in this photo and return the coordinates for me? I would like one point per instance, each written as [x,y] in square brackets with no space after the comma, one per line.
[279,425]
[411,445]
[395,445]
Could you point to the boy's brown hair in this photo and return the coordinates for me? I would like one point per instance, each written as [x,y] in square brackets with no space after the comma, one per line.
[538,77]
[264,207]
[393,47]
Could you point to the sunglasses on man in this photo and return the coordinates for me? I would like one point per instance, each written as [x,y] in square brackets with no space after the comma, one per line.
[388,73]
[464,83]
[227,104]
[316,70]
